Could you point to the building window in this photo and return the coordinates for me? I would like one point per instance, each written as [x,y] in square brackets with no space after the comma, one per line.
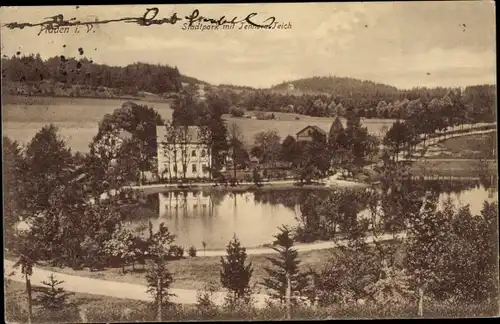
[193,167]
[175,168]
[203,153]
[204,168]
[193,153]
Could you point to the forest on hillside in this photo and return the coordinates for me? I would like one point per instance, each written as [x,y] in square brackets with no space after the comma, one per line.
[317,96]
[32,70]
[336,85]
[478,101]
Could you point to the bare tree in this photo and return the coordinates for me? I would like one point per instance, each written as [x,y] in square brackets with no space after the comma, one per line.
[235,142]
[170,148]
[184,142]
[270,144]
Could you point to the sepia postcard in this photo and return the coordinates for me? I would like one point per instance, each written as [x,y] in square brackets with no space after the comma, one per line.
[210,162]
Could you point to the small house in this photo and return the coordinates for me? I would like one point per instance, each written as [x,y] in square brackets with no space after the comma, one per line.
[307,134]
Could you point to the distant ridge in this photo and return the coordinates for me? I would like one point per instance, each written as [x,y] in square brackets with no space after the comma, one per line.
[340,86]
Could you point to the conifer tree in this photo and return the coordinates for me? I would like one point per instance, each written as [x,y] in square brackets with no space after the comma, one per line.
[235,275]
[53,297]
[158,277]
[285,281]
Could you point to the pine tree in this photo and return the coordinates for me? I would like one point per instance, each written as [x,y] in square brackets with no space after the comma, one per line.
[53,297]
[158,277]
[235,275]
[285,281]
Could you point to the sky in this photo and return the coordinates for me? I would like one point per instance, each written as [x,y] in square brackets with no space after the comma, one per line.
[404,44]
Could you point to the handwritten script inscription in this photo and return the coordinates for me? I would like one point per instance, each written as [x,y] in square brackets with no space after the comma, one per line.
[58,24]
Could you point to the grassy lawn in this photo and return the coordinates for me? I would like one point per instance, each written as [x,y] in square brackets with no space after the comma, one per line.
[469,147]
[463,168]
[288,125]
[195,273]
[16,306]
[101,309]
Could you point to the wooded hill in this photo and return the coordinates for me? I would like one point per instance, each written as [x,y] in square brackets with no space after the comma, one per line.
[31,70]
[339,86]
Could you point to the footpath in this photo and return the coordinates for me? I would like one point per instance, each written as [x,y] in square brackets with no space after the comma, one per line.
[138,292]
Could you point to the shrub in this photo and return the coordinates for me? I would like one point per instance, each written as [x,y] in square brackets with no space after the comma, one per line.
[176,252]
[205,304]
[237,112]
[14,312]
[65,315]
[192,251]
[118,311]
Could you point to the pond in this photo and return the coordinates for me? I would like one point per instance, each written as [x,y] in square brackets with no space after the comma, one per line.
[213,218]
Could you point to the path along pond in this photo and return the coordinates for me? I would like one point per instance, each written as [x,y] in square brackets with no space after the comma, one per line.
[214,217]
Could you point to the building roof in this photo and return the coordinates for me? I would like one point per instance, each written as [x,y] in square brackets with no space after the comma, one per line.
[189,134]
[316,128]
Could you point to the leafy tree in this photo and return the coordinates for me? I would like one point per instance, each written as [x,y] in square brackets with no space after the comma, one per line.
[214,128]
[425,247]
[186,108]
[392,288]
[48,162]
[269,143]
[28,258]
[235,275]
[349,272]
[285,280]
[289,149]
[314,163]
[239,155]
[53,297]
[128,134]
[12,167]
[357,140]
[397,137]
[122,246]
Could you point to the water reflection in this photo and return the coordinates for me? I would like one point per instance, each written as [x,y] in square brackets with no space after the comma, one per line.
[254,217]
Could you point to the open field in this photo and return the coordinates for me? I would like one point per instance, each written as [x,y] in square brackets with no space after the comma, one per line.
[78,118]
[286,124]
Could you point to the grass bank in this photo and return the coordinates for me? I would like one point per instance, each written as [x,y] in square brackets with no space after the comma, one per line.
[100,309]
[475,146]
[194,273]
[451,168]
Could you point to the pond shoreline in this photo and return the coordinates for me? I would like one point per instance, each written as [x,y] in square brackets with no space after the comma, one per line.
[246,187]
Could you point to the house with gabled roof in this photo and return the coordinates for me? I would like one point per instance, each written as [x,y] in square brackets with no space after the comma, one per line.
[307,133]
